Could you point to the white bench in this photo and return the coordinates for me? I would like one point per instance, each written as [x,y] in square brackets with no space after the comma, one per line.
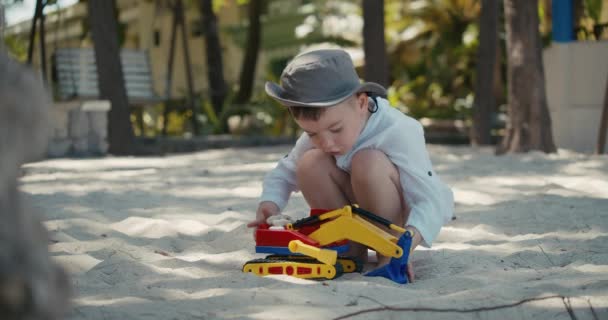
[78,129]
[76,75]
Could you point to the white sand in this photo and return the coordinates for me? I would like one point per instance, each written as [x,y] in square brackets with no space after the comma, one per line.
[165,238]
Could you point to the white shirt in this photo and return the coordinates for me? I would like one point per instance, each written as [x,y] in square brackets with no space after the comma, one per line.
[401,138]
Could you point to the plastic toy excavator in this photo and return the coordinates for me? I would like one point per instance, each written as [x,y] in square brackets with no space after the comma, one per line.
[311,248]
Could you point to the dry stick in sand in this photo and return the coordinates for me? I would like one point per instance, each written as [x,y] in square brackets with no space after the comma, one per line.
[546,255]
[446,310]
[595,317]
[568,306]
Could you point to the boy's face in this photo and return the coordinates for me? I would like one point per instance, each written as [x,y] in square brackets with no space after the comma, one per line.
[338,128]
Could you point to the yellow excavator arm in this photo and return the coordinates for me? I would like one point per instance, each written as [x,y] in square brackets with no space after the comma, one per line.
[347,223]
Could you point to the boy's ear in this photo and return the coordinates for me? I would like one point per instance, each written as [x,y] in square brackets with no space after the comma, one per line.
[362,100]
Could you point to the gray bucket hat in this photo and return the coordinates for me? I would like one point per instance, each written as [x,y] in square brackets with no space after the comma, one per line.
[320,78]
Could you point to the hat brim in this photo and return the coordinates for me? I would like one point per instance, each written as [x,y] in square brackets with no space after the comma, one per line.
[277,93]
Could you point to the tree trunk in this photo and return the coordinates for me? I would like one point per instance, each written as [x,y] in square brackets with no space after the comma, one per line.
[1,18]
[169,79]
[499,82]
[529,124]
[179,10]
[2,23]
[374,45]
[217,85]
[42,39]
[31,285]
[250,60]
[485,102]
[579,12]
[30,48]
[104,31]
[601,136]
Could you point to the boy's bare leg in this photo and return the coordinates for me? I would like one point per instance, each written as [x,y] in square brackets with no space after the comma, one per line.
[377,188]
[325,186]
[322,183]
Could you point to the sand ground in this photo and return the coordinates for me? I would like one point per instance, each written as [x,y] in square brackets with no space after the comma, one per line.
[165,238]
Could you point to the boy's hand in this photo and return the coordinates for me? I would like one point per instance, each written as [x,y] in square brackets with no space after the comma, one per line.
[410,271]
[265,210]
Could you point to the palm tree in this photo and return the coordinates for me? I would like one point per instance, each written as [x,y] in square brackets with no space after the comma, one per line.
[104,31]
[177,12]
[485,101]
[374,45]
[252,50]
[1,24]
[38,18]
[601,137]
[529,124]
[215,67]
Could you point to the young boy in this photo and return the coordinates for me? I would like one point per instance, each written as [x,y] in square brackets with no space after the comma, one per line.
[355,148]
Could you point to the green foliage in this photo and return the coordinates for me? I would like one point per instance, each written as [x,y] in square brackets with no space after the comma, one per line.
[593,9]
[277,117]
[280,31]
[434,43]
[590,26]
[17,47]
[262,115]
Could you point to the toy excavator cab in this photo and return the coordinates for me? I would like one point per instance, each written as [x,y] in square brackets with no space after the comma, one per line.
[310,248]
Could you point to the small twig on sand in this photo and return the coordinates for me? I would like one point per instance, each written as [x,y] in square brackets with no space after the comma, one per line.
[546,255]
[129,254]
[162,253]
[446,310]
[374,300]
[568,306]
[595,317]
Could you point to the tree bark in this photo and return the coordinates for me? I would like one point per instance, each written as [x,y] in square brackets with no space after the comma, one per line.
[485,102]
[215,67]
[179,11]
[104,31]
[579,11]
[37,13]
[169,79]
[1,18]
[374,45]
[2,25]
[601,136]
[42,39]
[250,59]
[499,81]
[31,285]
[529,124]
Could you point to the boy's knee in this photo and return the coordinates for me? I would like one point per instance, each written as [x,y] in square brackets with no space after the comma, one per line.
[312,161]
[368,163]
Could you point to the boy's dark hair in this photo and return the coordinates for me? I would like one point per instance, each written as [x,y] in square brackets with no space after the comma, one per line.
[306,113]
[314,113]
